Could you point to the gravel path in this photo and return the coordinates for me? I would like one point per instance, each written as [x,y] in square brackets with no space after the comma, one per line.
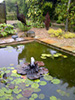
[43,33]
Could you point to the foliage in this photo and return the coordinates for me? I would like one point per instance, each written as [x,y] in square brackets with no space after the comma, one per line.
[35,12]
[56,33]
[10,8]
[38,25]
[58,21]
[47,7]
[61,12]
[69,35]
[60,33]
[22,27]
[6,29]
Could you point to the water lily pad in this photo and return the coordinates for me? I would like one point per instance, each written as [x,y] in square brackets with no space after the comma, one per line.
[14,71]
[48,77]
[59,54]
[43,54]
[19,96]
[31,98]
[48,55]
[8,71]
[1,92]
[41,96]
[28,82]
[35,85]
[37,90]
[55,55]
[37,81]
[16,91]
[34,96]
[42,57]
[12,67]
[55,81]
[27,93]
[53,98]
[8,91]
[43,83]
[64,56]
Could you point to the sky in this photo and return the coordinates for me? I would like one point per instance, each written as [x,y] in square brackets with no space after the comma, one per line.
[1,1]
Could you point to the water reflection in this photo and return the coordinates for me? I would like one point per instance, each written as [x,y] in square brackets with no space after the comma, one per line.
[61,68]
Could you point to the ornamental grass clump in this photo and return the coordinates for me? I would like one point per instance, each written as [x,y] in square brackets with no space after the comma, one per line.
[69,35]
[60,33]
[55,33]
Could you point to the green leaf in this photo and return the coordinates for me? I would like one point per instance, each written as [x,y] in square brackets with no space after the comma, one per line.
[53,98]
[41,96]
[31,98]
[19,96]
[37,90]
[16,91]
[8,91]
[35,85]
[42,57]
[1,92]
[34,96]
[43,83]
[48,77]
[55,81]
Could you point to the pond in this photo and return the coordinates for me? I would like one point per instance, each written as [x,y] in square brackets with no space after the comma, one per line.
[59,84]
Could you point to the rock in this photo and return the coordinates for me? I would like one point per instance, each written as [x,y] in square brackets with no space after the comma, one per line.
[30,34]
[14,37]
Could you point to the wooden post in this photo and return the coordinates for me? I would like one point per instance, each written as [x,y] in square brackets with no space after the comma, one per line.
[5,10]
[66,26]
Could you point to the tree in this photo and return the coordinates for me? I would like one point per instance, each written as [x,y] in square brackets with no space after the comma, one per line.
[66,26]
[66,13]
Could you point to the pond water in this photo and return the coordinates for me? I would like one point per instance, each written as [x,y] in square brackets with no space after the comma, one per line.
[59,68]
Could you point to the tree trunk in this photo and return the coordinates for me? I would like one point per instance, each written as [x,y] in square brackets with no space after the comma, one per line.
[66,26]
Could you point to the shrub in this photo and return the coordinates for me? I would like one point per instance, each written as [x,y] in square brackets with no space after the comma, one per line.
[22,27]
[38,25]
[58,21]
[6,29]
[60,34]
[69,35]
